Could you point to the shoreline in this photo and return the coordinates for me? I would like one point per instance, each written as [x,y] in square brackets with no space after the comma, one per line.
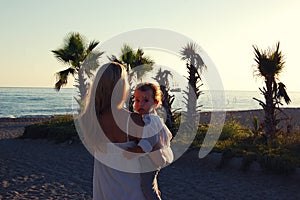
[201,112]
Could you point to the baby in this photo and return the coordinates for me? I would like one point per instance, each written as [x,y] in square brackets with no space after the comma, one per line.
[156,137]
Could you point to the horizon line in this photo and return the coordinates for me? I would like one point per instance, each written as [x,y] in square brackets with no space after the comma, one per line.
[45,87]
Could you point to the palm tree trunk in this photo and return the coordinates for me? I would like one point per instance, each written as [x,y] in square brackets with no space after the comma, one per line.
[270,124]
[166,103]
[82,84]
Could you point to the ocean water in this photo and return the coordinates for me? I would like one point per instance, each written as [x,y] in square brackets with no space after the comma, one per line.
[46,102]
[35,102]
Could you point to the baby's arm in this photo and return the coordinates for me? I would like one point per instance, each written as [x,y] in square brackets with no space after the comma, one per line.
[145,145]
[149,139]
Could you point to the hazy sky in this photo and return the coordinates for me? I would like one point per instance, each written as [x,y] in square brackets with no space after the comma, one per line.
[225,29]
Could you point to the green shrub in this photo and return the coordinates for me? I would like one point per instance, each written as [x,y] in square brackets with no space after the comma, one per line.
[279,164]
[57,128]
[282,157]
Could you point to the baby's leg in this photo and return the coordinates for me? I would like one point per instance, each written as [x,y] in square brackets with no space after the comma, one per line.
[148,180]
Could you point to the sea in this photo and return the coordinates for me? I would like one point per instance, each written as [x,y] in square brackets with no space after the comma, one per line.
[46,102]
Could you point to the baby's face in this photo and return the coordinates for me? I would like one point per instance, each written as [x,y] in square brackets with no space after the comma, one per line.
[144,101]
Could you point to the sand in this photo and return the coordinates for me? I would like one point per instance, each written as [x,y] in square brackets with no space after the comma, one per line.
[41,169]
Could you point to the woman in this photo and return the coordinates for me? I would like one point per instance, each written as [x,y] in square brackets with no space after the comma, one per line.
[107,129]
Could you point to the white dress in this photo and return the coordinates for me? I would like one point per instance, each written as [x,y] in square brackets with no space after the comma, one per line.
[112,184]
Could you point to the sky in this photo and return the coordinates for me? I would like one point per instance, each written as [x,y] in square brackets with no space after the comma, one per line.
[225,29]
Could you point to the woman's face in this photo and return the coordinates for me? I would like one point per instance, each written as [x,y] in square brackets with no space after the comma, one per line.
[144,102]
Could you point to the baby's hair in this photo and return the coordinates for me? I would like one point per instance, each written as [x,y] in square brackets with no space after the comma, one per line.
[157,94]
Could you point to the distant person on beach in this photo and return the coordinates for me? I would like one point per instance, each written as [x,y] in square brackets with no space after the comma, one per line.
[115,177]
[155,140]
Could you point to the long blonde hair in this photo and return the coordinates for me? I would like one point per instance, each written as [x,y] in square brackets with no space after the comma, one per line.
[108,91]
[112,88]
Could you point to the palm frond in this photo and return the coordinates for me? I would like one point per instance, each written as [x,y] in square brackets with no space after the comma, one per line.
[91,63]
[75,45]
[190,53]
[113,58]
[269,62]
[282,93]
[127,55]
[62,77]
[81,56]
[92,45]
[62,55]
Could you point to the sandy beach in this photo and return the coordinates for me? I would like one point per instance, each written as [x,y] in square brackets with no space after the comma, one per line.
[41,169]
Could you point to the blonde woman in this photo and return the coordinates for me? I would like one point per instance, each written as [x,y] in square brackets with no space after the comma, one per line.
[107,129]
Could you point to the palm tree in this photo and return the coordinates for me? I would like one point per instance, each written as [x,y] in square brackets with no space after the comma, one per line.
[162,78]
[195,66]
[82,60]
[132,59]
[135,61]
[269,65]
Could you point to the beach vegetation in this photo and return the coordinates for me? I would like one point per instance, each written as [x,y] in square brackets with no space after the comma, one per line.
[195,66]
[269,64]
[236,140]
[57,128]
[162,78]
[81,59]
